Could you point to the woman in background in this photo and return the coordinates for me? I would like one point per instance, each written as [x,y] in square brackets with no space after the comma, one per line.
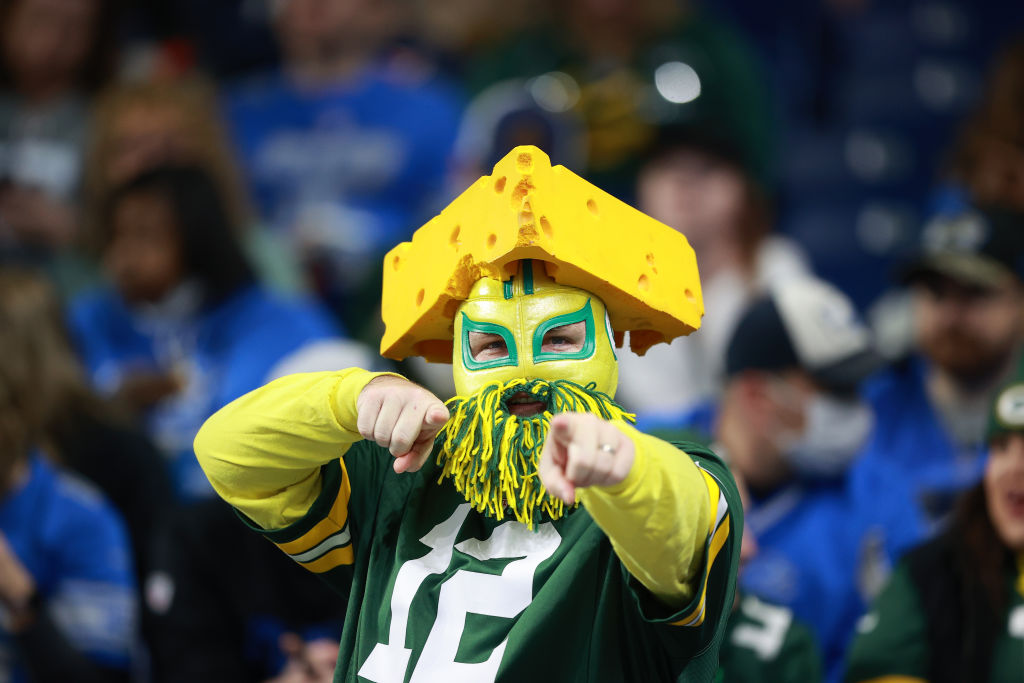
[139,126]
[186,327]
[954,608]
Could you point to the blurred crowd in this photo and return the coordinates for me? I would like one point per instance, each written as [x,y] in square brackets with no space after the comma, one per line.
[196,197]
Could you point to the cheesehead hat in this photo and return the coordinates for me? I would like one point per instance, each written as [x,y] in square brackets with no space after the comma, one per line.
[644,271]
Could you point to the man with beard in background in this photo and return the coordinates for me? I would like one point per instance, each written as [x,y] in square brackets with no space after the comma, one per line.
[526,529]
[967,289]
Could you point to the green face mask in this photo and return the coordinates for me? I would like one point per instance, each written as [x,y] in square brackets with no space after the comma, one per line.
[530,327]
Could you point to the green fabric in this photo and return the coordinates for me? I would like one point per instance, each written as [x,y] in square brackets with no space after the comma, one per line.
[1008,658]
[763,644]
[470,325]
[555,604]
[585,315]
[893,638]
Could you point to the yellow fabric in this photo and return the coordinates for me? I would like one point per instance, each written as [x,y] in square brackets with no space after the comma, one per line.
[1019,583]
[658,518]
[522,315]
[263,451]
[720,529]
[896,679]
[328,526]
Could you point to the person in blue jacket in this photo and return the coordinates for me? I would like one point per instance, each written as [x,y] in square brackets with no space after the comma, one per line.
[346,147]
[186,328]
[967,288]
[792,424]
[68,608]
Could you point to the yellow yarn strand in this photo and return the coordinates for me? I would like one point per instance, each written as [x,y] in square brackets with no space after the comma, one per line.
[491,456]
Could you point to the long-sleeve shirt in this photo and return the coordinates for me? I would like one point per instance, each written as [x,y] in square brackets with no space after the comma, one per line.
[647,552]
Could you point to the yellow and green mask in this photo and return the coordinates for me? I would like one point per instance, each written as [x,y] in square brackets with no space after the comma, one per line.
[522,311]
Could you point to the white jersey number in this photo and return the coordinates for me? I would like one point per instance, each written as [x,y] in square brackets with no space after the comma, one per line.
[766,636]
[504,595]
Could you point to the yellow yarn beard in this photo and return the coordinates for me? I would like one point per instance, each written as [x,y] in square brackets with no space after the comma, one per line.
[492,455]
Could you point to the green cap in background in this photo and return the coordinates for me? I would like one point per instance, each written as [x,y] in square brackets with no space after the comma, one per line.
[1007,414]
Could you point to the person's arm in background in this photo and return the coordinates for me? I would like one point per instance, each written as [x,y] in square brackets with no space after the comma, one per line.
[308,661]
[45,650]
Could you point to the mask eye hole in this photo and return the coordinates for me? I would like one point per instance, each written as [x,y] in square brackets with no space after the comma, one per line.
[485,346]
[565,338]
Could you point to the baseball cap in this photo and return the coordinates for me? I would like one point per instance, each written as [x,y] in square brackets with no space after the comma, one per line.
[976,246]
[805,323]
[1007,412]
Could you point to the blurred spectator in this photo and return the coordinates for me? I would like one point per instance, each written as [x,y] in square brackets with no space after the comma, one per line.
[79,430]
[968,315]
[138,126]
[53,55]
[988,159]
[697,183]
[346,147]
[953,610]
[792,425]
[457,30]
[763,643]
[628,67]
[252,615]
[67,601]
[185,328]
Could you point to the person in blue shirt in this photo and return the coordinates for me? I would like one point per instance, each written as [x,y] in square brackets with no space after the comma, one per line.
[792,425]
[347,146]
[68,608]
[967,288]
[186,328]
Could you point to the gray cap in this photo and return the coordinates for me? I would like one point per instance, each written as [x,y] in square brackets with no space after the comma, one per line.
[808,324]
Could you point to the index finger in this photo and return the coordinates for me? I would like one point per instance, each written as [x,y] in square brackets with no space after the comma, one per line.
[553,477]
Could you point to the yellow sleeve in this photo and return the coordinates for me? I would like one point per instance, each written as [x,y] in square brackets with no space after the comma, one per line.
[658,518]
[263,451]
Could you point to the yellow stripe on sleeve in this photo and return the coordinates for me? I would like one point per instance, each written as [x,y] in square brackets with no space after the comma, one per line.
[656,518]
[718,534]
[329,543]
[332,523]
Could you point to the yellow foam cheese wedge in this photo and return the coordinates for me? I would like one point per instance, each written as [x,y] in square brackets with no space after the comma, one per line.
[643,270]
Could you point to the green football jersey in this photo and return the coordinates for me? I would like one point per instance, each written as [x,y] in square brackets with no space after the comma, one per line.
[892,638]
[764,644]
[439,592]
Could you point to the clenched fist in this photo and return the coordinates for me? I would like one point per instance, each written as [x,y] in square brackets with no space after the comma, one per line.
[402,417]
[583,450]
